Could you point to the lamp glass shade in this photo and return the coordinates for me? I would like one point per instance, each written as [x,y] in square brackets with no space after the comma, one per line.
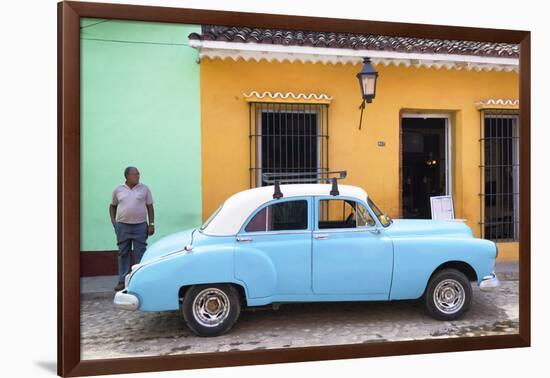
[367,80]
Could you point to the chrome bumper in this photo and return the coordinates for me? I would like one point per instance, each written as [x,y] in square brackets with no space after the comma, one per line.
[489,283]
[126,301]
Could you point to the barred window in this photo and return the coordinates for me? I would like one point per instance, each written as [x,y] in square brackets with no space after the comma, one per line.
[287,138]
[499,175]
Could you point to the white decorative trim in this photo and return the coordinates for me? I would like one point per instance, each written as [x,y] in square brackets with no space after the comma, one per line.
[499,101]
[279,53]
[273,96]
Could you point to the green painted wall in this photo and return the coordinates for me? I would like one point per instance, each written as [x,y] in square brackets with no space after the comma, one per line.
[140,106]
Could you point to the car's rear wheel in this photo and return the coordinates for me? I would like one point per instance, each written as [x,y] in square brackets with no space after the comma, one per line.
[211,310]
[448,294]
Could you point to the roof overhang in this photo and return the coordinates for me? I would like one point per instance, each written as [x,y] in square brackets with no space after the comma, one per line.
[279,53]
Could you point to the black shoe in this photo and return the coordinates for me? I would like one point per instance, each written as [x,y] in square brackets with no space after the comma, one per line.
[119,286]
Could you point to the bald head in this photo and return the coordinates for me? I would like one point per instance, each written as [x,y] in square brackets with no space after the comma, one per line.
[132,176]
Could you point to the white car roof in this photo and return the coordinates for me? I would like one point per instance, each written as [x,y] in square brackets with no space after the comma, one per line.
[236,209]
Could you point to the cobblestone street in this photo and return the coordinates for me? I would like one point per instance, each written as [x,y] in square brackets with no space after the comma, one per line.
[110,333]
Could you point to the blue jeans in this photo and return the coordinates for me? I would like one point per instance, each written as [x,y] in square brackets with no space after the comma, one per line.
[126,235]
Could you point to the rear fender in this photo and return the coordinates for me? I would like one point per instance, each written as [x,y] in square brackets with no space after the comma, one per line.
[157,284]
[255,268]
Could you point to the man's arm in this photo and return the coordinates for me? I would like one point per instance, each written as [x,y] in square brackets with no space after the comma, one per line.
[112,207]
[112,213]
[151,215]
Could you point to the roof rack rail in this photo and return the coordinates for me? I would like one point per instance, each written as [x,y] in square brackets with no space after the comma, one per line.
[296,177]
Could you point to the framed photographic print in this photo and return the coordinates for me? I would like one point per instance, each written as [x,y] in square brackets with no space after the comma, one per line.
[240,188]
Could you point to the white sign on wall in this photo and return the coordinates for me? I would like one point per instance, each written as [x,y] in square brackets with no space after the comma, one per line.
[442,207]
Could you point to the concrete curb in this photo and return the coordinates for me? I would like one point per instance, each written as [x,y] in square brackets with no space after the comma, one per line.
[507,270]
[508,276]
[98,295]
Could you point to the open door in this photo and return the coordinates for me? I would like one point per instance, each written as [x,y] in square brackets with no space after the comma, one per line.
[425,163]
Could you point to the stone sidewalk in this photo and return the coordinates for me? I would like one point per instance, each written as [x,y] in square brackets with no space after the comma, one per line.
[110,333]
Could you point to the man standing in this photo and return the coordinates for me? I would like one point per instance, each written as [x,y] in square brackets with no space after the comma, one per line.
[130,205]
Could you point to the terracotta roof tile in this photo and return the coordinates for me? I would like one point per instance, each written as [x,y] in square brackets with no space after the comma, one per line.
[355,41]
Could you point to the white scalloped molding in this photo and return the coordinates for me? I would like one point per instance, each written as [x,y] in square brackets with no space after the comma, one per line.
[277,53]
[498,103]
[274,96]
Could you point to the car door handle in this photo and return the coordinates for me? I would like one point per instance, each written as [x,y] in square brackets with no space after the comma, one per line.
[240,239]
[321,236]
[375,231]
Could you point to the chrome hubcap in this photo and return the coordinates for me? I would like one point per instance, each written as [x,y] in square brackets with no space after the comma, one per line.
[211,307]
[449,296]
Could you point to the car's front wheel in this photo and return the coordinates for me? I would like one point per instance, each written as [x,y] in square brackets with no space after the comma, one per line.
[448,294]
[211,310]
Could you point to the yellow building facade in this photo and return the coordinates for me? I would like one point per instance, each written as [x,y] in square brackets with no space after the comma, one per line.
[372,155]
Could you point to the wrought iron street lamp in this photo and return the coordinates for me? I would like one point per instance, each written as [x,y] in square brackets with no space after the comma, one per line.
[367,81]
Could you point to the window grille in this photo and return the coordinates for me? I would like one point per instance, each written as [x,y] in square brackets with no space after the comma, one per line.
[287,138]
[499,175]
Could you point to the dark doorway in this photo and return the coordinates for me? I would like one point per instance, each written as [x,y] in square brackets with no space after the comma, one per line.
[424,164]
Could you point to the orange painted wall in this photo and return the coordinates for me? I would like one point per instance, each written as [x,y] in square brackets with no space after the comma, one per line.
[225,124]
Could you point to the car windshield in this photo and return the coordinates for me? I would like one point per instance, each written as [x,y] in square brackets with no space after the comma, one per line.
[383,218]
[211,218]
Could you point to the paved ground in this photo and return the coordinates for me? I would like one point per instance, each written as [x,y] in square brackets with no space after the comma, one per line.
[110,333]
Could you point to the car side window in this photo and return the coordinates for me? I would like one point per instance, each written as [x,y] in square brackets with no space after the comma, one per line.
[339,213]
[283,216]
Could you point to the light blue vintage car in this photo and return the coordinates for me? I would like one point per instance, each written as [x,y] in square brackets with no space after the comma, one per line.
[307,243]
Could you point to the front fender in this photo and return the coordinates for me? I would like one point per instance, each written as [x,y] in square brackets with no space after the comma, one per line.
[157,284]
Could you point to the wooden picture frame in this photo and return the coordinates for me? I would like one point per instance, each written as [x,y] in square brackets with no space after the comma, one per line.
[69,362]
